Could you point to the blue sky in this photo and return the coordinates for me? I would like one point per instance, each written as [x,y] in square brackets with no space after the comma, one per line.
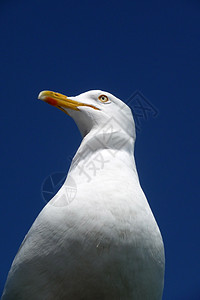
[121,47]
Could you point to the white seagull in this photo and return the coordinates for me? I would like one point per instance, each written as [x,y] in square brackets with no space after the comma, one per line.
[97,238]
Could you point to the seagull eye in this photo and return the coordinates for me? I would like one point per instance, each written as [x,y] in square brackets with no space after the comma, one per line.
[103,98]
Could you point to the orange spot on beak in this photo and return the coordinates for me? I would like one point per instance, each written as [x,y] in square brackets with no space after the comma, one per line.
[51,101]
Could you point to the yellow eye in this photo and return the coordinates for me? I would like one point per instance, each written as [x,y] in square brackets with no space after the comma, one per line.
[103,98]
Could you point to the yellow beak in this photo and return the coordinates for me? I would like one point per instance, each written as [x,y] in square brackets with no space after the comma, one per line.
[60,101]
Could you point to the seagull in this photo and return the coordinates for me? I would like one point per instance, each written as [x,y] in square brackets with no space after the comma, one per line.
[97,237]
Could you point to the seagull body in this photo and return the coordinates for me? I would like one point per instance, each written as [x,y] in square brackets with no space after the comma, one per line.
[102,242]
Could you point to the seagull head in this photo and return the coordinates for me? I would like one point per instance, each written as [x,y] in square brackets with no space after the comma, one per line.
[94,111]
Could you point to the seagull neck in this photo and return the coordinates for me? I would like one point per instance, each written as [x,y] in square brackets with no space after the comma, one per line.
[96,154]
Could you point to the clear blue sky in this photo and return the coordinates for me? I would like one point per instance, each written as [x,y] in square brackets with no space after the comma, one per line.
[120,47]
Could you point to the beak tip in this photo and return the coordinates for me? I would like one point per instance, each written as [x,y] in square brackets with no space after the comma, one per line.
[40,96]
